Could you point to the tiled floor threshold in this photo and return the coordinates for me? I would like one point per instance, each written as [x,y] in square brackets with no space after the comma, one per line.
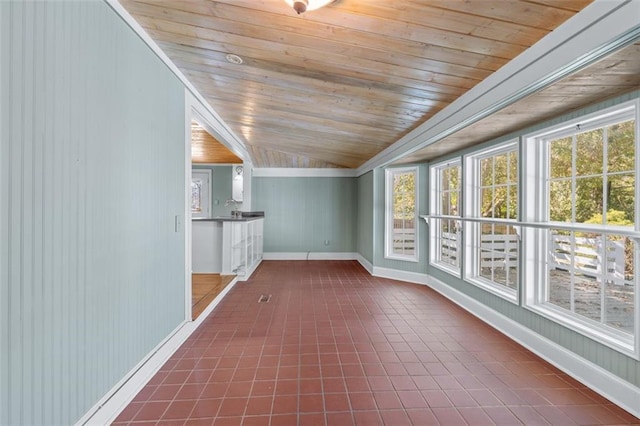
[336,346]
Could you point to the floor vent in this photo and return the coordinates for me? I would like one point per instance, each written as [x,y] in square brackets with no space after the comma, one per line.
[264,298]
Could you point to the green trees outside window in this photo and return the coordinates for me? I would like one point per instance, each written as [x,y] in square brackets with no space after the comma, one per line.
[592,176]
[401,224]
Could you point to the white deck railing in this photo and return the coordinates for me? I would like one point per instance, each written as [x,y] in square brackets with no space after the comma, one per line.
[592,257]
[598,257]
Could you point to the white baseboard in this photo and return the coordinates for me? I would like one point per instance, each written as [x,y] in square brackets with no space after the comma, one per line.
[365,263]
[612,387]
[310,256]
[117,399]
[395,274]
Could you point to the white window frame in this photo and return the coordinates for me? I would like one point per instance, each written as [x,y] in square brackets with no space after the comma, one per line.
[472,202]
[535,207]
[435,210]
[389,220]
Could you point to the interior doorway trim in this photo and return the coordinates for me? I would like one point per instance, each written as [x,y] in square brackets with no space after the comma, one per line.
[189,104]
[195,110]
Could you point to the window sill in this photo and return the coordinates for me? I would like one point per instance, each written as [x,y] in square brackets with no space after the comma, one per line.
[608,336]
[413,259]
[446,267]
[505,293]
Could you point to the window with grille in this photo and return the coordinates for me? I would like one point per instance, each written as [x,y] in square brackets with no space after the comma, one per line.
[583,251]
[401,205]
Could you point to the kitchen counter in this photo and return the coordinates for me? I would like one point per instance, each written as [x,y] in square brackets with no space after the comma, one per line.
[225,219]
[249,217]
[227,245]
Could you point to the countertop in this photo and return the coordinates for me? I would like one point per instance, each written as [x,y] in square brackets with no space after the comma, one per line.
[251,216]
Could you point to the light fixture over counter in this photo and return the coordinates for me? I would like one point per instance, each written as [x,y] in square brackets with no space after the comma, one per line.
[301,6]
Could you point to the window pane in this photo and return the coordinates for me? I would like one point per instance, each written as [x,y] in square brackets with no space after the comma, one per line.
[560,288]
[621,148]
[453,204]
[444,173]
[446,204]
[587,269]
[560,201]
[500,169]
[513,167]
[449,243]
[487,202]
[486,171]
[559,263]
[403,222]
[196,195]
[621,199]
[512,202]
[587,296]
[560,156]
[589,200]
[498,255]
[620,284]
[500,202]
[589,153]
[454,177]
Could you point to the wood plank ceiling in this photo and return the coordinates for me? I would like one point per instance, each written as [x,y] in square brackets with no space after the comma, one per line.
[335,86]
[614,75]
[206,149]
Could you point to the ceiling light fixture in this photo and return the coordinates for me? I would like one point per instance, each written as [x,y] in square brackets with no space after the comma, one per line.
[239,172]
[301,6]
[234,59]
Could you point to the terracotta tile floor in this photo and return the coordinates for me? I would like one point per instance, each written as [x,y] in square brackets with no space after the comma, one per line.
[335,346]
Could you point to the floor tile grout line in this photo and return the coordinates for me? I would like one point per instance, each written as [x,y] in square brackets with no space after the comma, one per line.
[397,321]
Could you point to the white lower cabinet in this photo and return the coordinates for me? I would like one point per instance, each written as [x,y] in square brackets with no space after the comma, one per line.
[241,247]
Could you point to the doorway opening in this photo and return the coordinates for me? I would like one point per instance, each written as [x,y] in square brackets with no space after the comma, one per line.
[206,179]
[205,288]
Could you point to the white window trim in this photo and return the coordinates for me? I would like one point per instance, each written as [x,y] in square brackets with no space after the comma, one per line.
[388,212]
[435,209]
[534,205]
[472,198]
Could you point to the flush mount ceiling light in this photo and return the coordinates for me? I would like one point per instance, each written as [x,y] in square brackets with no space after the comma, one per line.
[301,6]
[233,58]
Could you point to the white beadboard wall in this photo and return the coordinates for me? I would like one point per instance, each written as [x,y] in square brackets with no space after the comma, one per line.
[91,179]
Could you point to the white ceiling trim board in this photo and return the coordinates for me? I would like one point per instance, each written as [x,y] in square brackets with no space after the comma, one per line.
[302,172]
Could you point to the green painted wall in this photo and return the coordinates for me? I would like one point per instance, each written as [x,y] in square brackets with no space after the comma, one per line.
[221,188]
[365,216]
[92,177]
[302,212]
